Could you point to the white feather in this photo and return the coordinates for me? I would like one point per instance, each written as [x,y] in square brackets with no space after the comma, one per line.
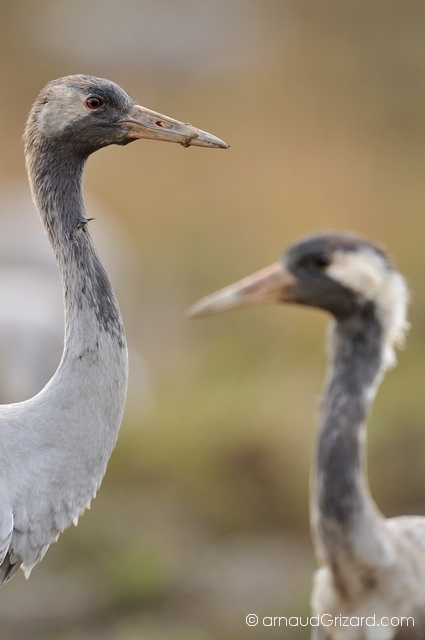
[369,276]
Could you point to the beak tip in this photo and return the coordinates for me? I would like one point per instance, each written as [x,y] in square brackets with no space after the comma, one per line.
[193,312]
[204,139]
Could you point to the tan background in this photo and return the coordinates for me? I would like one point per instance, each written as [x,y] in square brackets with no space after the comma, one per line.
[203,515]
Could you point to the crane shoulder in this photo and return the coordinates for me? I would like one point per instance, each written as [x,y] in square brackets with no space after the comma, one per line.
[412,527]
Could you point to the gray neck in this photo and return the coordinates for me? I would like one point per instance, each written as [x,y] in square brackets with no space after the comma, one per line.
[78,413]
[342,506]
[56,178]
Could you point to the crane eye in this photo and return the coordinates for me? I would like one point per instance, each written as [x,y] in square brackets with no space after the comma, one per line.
[322,260]
[94,103]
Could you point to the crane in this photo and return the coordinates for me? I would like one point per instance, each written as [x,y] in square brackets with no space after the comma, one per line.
[370,584]
[56,445]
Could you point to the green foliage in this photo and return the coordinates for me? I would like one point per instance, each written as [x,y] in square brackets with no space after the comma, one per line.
[136,574]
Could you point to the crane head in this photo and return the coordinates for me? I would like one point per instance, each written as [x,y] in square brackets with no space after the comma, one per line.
[87,113]
[338,271]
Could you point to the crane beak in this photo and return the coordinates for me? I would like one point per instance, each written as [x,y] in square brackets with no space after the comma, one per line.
[144,123]
[272,284]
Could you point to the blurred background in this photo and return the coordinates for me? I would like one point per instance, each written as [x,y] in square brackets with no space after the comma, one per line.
[203,515]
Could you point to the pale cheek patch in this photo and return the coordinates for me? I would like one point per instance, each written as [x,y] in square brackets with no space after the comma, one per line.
[60,113]
[364,273]
[367,274]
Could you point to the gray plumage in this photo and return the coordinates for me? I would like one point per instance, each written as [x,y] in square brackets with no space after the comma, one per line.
[55,446]
[372,569]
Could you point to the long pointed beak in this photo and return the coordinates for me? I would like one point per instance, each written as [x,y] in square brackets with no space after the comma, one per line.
[144,123]
[272,284]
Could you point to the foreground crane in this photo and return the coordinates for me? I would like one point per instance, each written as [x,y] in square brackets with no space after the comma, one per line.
[55,447]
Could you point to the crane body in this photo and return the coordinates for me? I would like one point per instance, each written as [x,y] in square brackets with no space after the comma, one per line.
[55,446]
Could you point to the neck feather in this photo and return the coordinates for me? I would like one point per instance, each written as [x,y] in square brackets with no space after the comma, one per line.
[343,511]
[56,178]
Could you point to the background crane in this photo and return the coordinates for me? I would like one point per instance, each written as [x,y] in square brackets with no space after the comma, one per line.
[370,568]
